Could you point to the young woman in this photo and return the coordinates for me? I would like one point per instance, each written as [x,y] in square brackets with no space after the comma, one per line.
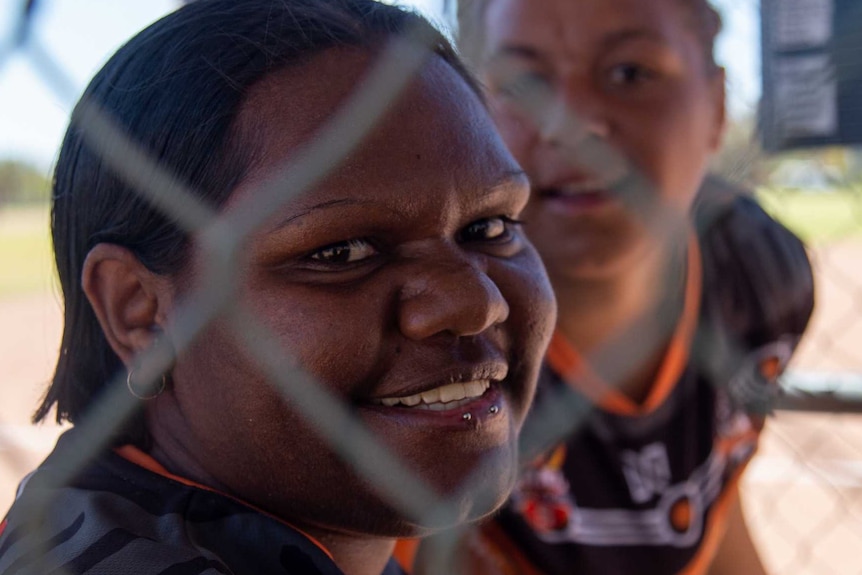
[613,107]
[401,282]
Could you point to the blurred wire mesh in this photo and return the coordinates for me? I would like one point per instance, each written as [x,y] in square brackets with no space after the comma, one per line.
[803,493]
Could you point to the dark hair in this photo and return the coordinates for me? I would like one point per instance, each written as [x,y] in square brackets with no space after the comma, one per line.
[705,21]
[176,89]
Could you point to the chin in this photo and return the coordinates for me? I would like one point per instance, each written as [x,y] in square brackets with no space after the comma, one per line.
[603,262]
[487,493]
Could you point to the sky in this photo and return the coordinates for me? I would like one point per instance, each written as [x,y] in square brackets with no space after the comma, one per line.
[81,34]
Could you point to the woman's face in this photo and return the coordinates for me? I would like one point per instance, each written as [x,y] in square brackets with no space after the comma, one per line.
[401,283]
[620,92]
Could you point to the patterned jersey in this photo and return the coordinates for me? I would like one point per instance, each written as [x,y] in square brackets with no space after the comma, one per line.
[126,515]
[645,488]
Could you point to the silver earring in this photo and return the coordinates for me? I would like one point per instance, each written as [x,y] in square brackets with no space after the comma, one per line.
[146,394]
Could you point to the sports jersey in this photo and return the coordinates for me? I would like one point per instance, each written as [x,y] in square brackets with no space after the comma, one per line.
[125,514]
[646,488]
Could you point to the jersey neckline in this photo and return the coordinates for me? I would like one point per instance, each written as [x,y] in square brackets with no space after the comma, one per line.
[571,366]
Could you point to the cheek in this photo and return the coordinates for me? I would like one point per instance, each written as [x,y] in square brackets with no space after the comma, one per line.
[273,456]
[517,131]
[669,143]
[332,338]
[532,306]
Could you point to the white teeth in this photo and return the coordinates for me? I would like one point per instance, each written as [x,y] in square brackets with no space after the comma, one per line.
[430,396]
[441,398]
[453,392]
[475,388]
[412,400]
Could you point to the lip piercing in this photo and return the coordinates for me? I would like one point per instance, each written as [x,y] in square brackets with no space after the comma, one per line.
[493,410]
[467,417]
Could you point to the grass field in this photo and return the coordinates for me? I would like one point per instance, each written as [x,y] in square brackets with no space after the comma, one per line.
[817,217]
[26,264]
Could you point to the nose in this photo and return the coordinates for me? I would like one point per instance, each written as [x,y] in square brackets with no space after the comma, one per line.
[577,134]
[573,119]
[454,296]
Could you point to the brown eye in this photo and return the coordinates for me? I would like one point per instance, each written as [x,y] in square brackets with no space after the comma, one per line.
[628,74]
[347,252]
[488,229]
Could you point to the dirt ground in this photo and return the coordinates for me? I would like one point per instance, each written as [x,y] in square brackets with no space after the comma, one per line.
[803,494]
[834,339]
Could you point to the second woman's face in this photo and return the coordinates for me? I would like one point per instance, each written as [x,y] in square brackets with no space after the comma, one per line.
[402,283]
[596,98]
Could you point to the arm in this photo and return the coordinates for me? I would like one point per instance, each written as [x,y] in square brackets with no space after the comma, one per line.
[760,290]
[737,553]
[758,295]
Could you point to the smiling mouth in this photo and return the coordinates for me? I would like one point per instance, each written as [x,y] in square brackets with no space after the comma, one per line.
[443,398]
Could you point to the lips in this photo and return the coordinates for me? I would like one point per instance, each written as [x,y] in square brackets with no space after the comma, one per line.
[452,391]
[583,196]
[577,195]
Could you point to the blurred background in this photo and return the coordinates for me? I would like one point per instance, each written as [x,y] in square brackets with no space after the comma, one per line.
[803,493]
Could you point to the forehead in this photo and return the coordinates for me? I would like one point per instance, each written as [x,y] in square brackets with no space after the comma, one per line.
[435,134]
[553,25]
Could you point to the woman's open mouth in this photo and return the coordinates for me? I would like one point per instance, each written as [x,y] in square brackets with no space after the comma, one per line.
[462,405]
[582,199]
[447,397]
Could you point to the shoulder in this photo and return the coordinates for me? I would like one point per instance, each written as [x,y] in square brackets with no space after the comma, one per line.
[116,516]
[758,280]
[90,530]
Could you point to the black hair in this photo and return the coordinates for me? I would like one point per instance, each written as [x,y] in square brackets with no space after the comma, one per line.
[704,19]
[176,90]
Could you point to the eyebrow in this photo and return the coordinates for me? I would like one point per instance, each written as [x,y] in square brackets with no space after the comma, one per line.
[627,34]
[515,51]
[508,178]
[609,41]
[316,207]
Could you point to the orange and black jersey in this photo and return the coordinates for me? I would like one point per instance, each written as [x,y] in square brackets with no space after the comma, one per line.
[125,514]
[645,488]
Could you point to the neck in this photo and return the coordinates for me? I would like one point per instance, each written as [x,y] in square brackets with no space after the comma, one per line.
[355,555]
[623,323]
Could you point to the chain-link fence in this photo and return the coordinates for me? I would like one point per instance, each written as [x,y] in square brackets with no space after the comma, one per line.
[802,493]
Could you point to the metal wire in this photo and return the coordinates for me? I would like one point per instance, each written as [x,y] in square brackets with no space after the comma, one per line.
[222,234]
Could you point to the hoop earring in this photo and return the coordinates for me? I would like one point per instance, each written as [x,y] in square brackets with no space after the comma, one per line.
[147,394]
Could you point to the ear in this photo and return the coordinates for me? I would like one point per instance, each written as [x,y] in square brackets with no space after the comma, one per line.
[718,93]
[130,301]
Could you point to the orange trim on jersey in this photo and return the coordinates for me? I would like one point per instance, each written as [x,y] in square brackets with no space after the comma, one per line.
[716,526]
[490,551]
[141,459]
[405,553]
[570,365]
[502,552]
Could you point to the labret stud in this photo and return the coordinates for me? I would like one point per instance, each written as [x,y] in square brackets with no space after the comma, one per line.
[467,417]
[493,410]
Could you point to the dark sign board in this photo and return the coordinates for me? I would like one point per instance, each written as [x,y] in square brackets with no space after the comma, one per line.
[812,73]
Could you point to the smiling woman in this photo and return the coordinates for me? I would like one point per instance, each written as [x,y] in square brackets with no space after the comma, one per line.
[680,300]
[401,282]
